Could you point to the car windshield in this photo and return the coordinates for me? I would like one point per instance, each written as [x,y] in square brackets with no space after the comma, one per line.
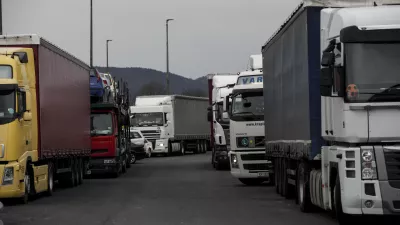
[6,72]
[148,119]
[7,104]
[248,104]
[372,72]
[101,124]
[135,135]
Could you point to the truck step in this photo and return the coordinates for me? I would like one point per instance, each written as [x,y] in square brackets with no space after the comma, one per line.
[291,172]
[291,181]
[64,170]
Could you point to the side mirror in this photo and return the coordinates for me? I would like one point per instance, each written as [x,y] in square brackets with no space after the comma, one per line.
[226,104]
[328,59]
[225,116]
[209,116]
[23,57]
[27,116]
[326,81]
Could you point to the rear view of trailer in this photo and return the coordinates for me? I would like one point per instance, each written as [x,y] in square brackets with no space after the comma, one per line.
[291,87]
[190,118]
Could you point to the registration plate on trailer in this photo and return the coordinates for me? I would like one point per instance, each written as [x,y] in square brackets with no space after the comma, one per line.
[263,174]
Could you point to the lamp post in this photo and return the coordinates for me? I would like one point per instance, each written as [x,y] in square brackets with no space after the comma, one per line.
[91,33]
[167,21]
[107,53]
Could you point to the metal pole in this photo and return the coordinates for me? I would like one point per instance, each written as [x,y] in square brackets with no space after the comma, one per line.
[1,17]
[107,53]
[91,33]
[168,56]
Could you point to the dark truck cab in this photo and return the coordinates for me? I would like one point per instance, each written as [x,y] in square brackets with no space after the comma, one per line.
[110,139]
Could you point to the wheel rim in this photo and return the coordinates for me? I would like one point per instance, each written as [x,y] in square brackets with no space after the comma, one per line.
[133,159]
[301,185]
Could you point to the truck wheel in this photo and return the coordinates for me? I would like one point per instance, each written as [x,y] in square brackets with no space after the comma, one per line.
[343,219]
[50,180]
[183,148]
[277,174]
[124,166]
[80,171]
[204,146]
[251,181]
[76,171]
[169,149]
[284,178]
[303,192]
[128,160]
[28,186]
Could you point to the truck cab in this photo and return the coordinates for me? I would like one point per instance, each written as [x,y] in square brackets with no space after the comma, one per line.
[220,86]
[247,140]
[110,139]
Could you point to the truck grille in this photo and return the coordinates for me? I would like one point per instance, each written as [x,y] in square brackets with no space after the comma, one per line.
[254,157]
[151,135]
[392,160]
[261,166]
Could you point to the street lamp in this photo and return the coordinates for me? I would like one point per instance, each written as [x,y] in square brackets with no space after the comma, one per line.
[91,33]
[107,53]
[167,56]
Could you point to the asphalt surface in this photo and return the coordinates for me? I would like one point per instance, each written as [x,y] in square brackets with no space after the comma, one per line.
[165,190]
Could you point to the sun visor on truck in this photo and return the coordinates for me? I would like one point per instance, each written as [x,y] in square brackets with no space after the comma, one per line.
[354,34]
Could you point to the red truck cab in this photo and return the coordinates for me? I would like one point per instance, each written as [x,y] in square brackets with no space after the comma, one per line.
[110,143]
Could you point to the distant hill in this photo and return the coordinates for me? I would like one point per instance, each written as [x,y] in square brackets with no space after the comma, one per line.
[143,78]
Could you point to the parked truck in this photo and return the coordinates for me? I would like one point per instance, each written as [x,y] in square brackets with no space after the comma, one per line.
[44,117]
[219,86]
[110,131]
[175,123]
[331,78]
[247,153]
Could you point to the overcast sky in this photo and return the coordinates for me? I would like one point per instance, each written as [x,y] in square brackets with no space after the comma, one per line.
[207,35]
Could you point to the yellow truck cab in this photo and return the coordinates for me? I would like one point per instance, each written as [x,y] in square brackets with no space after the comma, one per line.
[43,90]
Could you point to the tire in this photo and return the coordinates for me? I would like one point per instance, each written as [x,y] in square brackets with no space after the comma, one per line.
[133,159]
[118,171]
[342,218]
[284,178]
[128,160]
[277,175]
[303,191]
[251,182]
[169,149]
[28,186]
[50,180]
[76,171]
[123,170]
[183,148]
[204,143]
[80,171]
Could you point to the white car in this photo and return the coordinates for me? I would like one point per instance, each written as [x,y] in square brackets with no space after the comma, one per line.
[148,147]
[137,145]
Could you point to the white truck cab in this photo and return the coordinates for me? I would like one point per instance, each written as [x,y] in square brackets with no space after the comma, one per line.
[247,140]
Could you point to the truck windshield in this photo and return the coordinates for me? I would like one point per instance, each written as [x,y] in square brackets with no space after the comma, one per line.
[7,104]
[248,106]
[101,124]
[372,72]
[148,119]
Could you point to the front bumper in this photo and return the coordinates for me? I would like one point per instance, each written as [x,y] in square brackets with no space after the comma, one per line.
[161,146]
[250,165]
[17,188]
[103,165]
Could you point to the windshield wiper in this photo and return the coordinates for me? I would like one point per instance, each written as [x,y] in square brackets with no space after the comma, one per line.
[388,94]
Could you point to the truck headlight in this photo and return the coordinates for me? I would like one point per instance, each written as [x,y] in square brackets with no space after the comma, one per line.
[368,165]
[8,177]
[161,144]
[234,161]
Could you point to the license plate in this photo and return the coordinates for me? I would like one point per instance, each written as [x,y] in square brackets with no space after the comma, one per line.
[263,174]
